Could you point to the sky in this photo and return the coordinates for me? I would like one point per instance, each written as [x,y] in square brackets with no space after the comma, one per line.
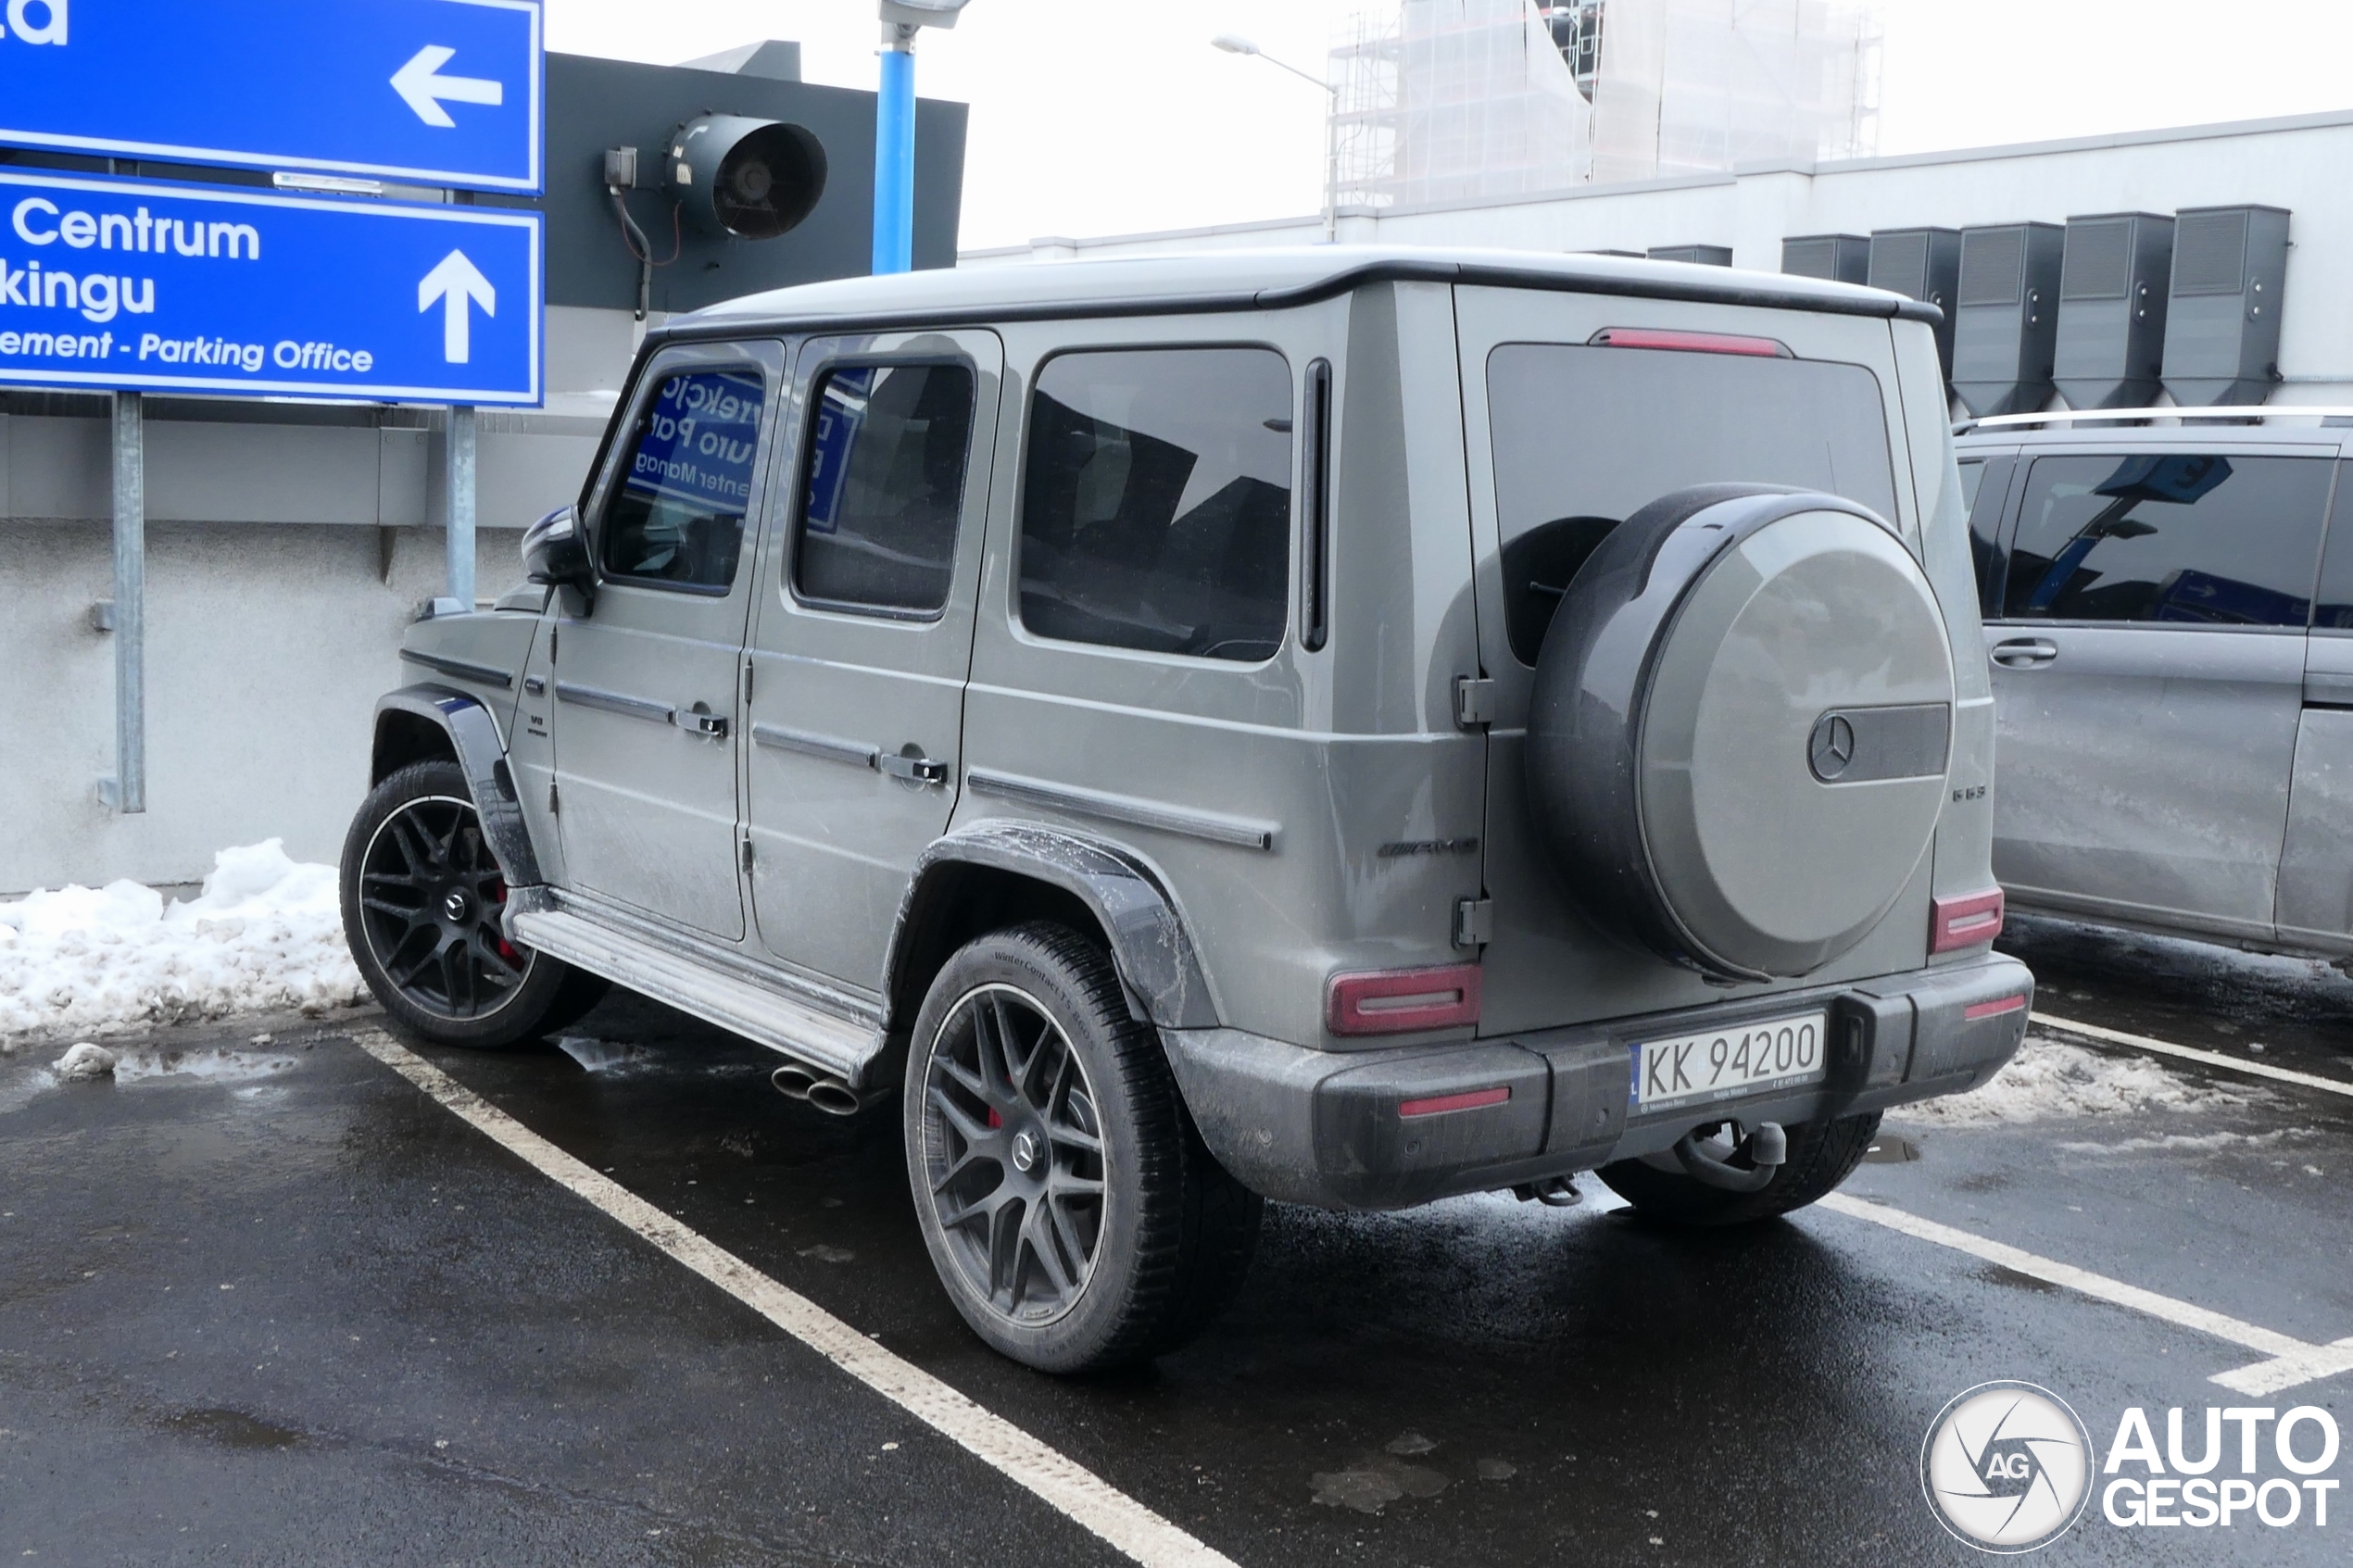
[1105,117]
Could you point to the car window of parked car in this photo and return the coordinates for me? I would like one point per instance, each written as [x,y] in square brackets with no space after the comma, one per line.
[677,518]
[2333,610]
[2195,538]
[1156,502]
[883,487]
[1584,437]
[1984,486]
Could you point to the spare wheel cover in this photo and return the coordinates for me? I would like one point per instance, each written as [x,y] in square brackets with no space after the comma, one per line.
[1740,729]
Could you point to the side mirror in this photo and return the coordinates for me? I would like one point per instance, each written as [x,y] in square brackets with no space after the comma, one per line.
[555,553]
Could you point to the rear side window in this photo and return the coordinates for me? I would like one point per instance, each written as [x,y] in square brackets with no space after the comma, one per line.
[1585,436]
[884,487]
[1984,486]
[2197,538]
[1156,503]
[677,521]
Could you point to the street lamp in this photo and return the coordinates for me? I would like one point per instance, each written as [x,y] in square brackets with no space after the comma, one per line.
[895,127]
[1235,43]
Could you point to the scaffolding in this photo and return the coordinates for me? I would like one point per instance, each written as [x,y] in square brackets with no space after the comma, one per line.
[1451,100]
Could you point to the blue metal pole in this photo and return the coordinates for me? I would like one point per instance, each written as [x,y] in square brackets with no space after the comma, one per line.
[895,159]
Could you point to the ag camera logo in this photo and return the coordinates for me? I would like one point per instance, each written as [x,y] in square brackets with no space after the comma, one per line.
[2007,1467]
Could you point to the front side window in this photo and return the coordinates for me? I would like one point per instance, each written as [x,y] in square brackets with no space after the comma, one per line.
[2169,536]
[677,519]
[1585,435]
[884,487]
[1156,504]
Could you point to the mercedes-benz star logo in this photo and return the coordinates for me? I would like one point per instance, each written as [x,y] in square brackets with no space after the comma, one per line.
[2007,1467]
[1024,1153]
[1831,749]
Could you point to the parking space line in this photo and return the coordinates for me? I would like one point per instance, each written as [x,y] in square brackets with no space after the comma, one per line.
[1079,1494]
[2291,1360]
[2191,1053]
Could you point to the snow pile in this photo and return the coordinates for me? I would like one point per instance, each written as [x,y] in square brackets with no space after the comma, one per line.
[85,1062]
[2048,1080]
[265,935]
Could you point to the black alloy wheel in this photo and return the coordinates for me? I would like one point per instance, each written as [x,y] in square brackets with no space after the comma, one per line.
[431,895]
[423,901]
[1014,1151]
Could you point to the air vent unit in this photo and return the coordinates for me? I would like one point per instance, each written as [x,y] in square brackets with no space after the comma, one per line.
[1844,258]
[1923,264]
[2111,314]
[2222,320]
[1703,255]
[2007,324]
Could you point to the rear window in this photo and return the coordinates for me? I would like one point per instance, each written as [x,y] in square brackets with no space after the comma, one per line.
[1586,436]
[2189,537]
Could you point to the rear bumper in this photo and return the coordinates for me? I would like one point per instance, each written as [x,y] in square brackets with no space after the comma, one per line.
[1392,1128]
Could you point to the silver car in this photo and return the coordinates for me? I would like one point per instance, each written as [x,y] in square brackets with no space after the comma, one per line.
[1342,726]
[2172,650]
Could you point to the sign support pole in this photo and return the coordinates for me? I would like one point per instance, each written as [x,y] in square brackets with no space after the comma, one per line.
[461,479]
[895,153]
[127,791]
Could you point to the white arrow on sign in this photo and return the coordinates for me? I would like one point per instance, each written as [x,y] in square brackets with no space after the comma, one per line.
[451,284]
[425,91]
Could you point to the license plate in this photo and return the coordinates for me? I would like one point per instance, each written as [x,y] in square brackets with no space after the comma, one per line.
[1746,1059]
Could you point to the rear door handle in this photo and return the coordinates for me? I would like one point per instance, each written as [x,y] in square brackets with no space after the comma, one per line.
[2024,653]
[700,721]
[916,770]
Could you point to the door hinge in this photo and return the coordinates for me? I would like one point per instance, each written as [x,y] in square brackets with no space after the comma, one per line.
[554,640]
[555,804]
[746,683]
[1474,922]
[744,845]
[1474,702]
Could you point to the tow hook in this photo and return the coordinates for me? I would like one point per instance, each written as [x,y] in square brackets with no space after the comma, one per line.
[1766,1149]
[1552,1191]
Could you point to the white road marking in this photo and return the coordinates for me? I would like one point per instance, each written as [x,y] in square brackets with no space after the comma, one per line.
[1121,1521]
[2291,1362]
[2191,1053]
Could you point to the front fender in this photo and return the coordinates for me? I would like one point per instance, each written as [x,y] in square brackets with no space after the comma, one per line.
[1156,958]
[481,756]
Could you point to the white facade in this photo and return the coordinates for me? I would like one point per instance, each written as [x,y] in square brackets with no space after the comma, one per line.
[2295,163]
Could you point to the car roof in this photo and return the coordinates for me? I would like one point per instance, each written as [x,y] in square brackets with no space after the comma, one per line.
[1263,278]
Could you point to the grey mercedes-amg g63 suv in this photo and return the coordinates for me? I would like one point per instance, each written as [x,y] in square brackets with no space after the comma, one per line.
[1340,726]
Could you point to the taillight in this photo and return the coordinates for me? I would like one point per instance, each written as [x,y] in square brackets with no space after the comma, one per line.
[1965,922]
[1690,343]
[1398,1001]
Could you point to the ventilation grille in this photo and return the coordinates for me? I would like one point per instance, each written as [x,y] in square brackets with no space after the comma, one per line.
[1992,266]
[1810,258]
[1900,262]
[2209,253]
[2099,261]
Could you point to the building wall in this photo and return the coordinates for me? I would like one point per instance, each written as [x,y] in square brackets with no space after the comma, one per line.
[2297,164]
[287,546]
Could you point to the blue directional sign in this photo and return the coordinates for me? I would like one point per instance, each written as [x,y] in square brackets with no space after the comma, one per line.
[429,91]
[184,288]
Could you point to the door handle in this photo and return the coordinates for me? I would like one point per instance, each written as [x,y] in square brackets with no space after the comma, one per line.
[2025,653]
[915,770]
[700,721]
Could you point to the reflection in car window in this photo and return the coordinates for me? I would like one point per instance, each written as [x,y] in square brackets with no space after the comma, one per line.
[887,448]
[2335,611]
[1585,436]
[1156,506]
[2169,536]
[678,518]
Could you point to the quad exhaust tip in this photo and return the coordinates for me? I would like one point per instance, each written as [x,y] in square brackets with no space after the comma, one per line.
[828,1091]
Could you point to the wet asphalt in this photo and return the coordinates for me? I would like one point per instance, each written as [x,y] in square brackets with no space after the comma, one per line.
[268,1303]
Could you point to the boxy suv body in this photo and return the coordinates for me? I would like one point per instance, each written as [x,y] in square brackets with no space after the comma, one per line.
[2172,649]
[1344,727]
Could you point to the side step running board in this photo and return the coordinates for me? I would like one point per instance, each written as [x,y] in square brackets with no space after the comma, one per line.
[783,1023]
